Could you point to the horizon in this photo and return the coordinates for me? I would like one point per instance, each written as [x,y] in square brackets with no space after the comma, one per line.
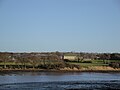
[53,51]
[64,26]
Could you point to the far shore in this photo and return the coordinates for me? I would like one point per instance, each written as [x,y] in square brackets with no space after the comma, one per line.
[90,69]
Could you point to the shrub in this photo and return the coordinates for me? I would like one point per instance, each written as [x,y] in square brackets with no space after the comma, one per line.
[72,66]
[115,65]
[87,62]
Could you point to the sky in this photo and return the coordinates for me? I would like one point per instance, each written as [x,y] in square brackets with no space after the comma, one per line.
[60,25]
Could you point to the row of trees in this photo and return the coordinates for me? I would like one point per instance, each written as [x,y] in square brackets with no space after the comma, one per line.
[102,56]
[24,60]
[33,60]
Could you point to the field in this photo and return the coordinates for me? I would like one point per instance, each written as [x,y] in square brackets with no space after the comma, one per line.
[95,63]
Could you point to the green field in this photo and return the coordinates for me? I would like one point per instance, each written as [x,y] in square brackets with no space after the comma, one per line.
[95,63]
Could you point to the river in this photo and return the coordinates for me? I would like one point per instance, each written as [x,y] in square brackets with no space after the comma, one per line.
[59,81]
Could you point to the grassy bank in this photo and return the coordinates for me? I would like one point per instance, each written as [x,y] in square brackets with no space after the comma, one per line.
[73,69]
[90,69]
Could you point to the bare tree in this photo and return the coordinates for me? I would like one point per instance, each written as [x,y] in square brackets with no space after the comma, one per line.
[5,57]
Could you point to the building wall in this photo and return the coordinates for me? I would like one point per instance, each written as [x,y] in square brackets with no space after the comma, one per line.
[70,57]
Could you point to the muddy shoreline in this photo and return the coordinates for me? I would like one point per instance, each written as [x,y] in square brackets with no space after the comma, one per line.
[53,70]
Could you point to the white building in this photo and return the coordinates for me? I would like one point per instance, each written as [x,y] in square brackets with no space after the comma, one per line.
[70,57]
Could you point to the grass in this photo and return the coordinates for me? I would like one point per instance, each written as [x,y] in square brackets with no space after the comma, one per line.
[94,63]
[88,64]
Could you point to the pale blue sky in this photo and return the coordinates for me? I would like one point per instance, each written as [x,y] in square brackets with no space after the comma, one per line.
[60,25]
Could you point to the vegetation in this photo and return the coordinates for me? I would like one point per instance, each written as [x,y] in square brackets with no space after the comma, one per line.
[55,60]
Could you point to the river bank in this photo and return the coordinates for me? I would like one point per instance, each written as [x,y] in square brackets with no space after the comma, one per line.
[67,69]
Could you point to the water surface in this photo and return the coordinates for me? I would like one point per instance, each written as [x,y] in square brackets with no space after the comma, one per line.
[63,80]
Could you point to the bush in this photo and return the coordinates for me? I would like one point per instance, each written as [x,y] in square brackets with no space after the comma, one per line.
[115,65]
[72,66]
[87,62]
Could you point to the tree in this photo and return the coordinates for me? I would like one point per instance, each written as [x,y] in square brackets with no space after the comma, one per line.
[21,59]
[34,60]
[115,56]
[105,57]
[5,57]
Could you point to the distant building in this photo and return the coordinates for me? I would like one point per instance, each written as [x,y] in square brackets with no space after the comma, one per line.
[70,57]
